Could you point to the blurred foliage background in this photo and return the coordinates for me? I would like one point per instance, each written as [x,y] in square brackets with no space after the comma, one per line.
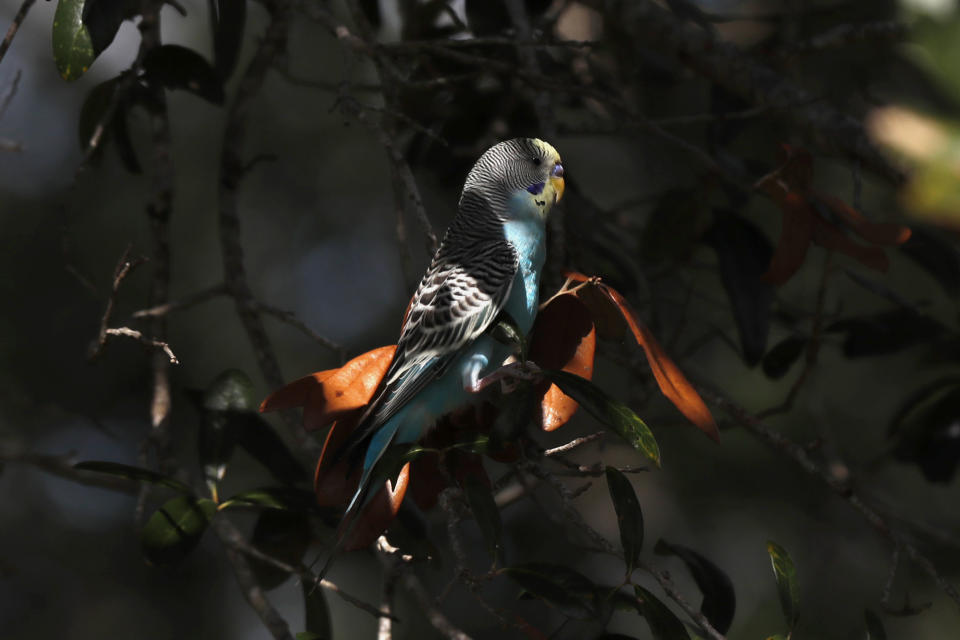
[662,158]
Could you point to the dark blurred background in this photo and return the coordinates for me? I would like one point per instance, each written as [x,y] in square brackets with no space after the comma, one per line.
[319,233]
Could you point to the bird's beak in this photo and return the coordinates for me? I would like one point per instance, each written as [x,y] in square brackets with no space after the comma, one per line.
[556,179]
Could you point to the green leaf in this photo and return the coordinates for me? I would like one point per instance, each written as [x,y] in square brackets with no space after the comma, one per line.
[175,529]
[309,635]
[286,498]
[629,516]
[610,412]
[284,535]
[719,599]
[875,630]
[133,473]
[786,576]
[72,47]
[316,611]
[103,18]
[663,623]
[563,588]
[177,67]
[231,17]
[487,515]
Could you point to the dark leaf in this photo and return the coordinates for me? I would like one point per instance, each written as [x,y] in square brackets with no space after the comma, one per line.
[258,438]
[316,612]
[121,136]
[175,529]
[719,599]
[410,533]
[176,67]
[610,412]
[927,428]
[72,49]
[567,590]
[486,514]
[786,577]
[371,10]
[664,624]
[228,35]
[674,226]
[227,397]
[506,331]
[104,17]
[615,636]
[309,635]
[782,356]
[283,535]
[936,256]
[885,333]
[629,516]
[286,498]
[743,255]
[875,630]
[133,473]
[94,109]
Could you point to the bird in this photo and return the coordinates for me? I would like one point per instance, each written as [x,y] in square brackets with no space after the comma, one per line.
[488,265]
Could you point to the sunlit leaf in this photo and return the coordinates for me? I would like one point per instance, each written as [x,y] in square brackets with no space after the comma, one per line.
[561,587]
[563,338]
[177,67]
[664,624]
[673,384]
[609,411]
[787,588]
[175,529]
[329,395]
[72,47]
[719,599]
[486,514]
[316,611]
[133,473]
[629,516]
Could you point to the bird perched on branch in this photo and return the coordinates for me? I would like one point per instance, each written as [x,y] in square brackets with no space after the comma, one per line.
[489,263]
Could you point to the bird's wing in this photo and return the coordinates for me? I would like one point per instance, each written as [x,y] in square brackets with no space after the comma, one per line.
[458,299]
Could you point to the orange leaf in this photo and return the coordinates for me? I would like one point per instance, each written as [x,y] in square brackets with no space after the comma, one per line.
[327,395]
[795,237]
[875,232]
[670,379]
[296,393]
[377,516]
[563,338]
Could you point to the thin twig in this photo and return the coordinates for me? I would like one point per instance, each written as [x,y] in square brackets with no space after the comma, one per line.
[11,93]
[15,25]
[183,303]
[153,343]
[290,318]
[252,591]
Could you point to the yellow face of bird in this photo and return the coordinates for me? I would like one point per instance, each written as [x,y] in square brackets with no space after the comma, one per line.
[551,187]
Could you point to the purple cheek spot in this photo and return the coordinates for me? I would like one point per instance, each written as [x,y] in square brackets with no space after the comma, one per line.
[558,170]
[536,189]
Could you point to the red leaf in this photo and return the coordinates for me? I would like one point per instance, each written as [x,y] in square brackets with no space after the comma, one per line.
[829,236]
[563,338]
[795,238]
[882,233]
[377,516]
[673,384]
[296,393]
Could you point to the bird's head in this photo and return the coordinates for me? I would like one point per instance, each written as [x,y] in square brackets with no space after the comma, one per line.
[527,170]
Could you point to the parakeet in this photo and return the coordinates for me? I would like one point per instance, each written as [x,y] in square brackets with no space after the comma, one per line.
[489,262]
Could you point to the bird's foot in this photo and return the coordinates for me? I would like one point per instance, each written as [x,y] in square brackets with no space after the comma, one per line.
[509,375]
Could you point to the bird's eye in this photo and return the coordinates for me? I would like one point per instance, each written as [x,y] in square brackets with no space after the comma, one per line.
[536,161]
